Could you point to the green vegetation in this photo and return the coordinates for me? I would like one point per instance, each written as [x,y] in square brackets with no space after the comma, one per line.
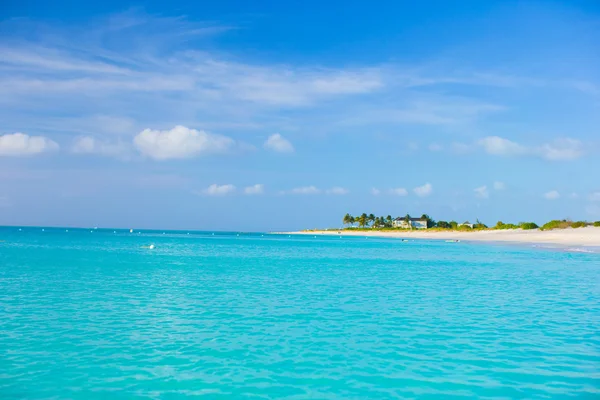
[528,225]
[502,225]
[479,225]
[565,223]
[556,224]
[370,221]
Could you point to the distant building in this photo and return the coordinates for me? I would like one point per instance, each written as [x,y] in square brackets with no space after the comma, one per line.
[416,223]
[466,223]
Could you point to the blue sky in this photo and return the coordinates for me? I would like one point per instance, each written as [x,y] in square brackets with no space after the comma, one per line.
[285,115]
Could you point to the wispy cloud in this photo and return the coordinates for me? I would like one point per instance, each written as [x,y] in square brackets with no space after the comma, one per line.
[501,147]
[279,144]
[552,195]
[90,145]
[219,190]
[337,190]
[423,191]
[21,144]
[305,190]
[561,149]
[399,191]
[482,192]
[254,189]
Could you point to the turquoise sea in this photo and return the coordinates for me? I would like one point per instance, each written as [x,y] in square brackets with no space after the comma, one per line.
[94,314]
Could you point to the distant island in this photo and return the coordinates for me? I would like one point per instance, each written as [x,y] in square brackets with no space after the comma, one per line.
[557,232]
[370,221]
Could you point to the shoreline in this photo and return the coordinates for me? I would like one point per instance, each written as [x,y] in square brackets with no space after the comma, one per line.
[586,237]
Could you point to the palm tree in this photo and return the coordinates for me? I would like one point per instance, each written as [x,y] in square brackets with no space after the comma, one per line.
[348,219]
[362,220]
[371,218]
[407,220]
[430,222]
[389,221]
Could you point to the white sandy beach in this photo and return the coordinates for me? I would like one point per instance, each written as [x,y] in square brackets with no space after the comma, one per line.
[589,236]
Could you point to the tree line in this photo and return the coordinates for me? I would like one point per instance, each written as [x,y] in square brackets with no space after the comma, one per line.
[365,220]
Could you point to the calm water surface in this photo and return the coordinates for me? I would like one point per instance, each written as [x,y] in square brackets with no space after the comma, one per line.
[93,314]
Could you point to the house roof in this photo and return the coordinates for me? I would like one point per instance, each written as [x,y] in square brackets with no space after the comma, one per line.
[412,219]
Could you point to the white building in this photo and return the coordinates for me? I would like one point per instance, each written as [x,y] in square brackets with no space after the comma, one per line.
[466,223]
[415,223]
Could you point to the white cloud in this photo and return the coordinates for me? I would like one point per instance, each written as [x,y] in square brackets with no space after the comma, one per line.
[338,191]
[436,147]
[435,110]
[552,195]
[499,185]
[595,196]
[180,142]
[574,195]
[399,191]
[501,147]
[305,190]
[375,192]
[561,149]
[90,145]
[21,144]
[423,191]
[255,189]
[279,144]
[482,192]
[219,190]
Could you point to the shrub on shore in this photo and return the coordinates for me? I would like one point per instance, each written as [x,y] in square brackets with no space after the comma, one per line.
[563,224]
[597,223]
[528,225]
[502,225]
[443,225]
[464,228]
[556,224]
[579,224]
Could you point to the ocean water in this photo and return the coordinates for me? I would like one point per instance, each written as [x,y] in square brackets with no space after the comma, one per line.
[94,314]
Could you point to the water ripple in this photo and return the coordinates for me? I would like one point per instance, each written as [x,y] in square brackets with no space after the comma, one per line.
[97,315]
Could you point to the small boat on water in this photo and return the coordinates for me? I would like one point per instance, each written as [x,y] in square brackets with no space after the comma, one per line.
[453,241]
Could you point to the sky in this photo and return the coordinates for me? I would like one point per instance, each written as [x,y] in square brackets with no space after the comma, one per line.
[272,115]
